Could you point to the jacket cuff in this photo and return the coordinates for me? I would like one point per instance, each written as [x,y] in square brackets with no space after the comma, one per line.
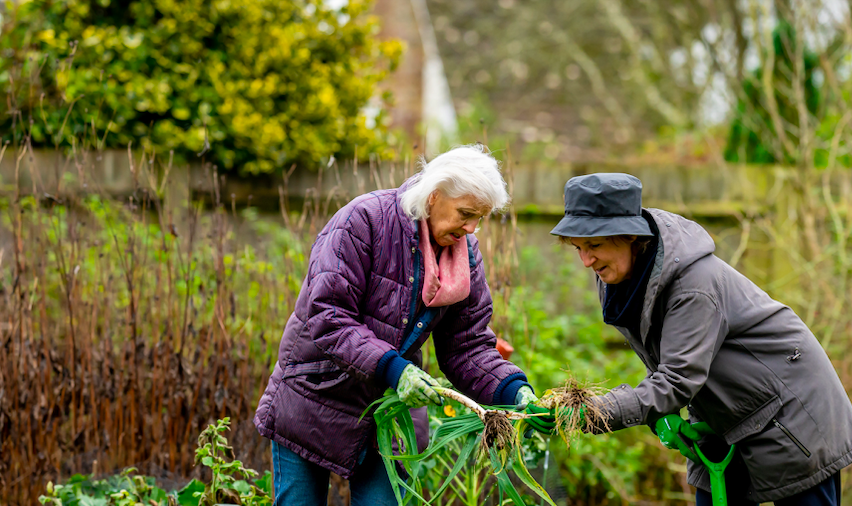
[390,367]
[623,407]
[506,391]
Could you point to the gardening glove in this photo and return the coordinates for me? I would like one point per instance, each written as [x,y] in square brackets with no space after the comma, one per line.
[677,434]
[415,387]
[444,382]
[524,398]
[546,424]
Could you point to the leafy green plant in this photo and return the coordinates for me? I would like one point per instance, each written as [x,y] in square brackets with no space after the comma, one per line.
[225,487]
[753,134]
[129,489]
[447,476]
[120,490]
[488,430]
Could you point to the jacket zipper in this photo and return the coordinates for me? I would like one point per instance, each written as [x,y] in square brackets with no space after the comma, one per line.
[414,286]
[792,437]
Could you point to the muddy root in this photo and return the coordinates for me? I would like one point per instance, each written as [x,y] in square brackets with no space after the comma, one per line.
[575,421]
[499,433]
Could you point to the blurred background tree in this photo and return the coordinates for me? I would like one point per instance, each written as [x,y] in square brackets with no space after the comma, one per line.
[575,75]
[752,125]
[581,80]
[258,85]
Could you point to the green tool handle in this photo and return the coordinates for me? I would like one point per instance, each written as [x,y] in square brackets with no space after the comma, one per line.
[717,475]
[670,428]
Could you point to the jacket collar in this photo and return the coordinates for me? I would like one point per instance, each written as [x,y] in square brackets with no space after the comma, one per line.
[680,244]
[409,226]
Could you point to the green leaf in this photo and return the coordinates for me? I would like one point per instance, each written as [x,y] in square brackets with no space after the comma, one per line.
[503,482]
[383,438]
[413,493]
[242,487]
[442,438]
[265,483]
[92,501]
[408,433]
[524,474]
[389,394]
[461,462]
[186,496]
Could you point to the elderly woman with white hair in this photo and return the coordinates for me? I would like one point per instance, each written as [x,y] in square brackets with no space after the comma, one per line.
[389,269]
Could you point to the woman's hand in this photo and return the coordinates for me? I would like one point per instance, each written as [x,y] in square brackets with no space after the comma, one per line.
[415,387]
[525,397]
[670,428]
[546,421]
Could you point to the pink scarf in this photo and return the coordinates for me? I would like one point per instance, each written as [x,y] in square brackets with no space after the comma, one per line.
[447,281]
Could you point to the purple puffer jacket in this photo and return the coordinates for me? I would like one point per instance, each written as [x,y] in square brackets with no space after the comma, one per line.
[356,303]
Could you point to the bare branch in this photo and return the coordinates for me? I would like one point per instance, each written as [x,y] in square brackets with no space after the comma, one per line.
[635,43]
[598,85]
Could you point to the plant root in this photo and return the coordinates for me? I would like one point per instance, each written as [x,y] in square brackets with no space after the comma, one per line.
[499,433]
[449,393]
[574,421]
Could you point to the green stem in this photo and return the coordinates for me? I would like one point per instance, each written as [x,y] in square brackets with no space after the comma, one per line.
[215,469]
[471,492]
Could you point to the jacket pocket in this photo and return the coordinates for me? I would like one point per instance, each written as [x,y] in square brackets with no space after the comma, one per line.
[755,422]
[790,435]
[320,374]
[313,367]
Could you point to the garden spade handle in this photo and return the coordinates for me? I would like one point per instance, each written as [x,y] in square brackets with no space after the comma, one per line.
[675,427]
[717,475]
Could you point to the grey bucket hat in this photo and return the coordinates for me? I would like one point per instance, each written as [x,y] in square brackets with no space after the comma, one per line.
[600,205]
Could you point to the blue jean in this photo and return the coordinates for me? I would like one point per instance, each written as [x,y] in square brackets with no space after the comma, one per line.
[298,482]
[826,493]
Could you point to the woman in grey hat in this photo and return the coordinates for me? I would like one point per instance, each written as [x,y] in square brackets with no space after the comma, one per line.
[713,341]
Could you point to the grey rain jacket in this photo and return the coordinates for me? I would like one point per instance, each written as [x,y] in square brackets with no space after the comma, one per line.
[743,362]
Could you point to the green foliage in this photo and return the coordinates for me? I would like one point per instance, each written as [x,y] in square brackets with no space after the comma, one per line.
[454,459]
[119,251]
[156,289]
[121,490]
[127,489]
[260,85]
[214,452]
[753,137]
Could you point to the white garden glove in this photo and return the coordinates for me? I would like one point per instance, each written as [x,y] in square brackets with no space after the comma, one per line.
[415,387]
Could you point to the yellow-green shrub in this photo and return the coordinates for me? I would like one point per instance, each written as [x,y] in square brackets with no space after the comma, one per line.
[266,83]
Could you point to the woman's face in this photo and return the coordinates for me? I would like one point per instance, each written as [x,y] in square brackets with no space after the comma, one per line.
[612,260]
[451,219]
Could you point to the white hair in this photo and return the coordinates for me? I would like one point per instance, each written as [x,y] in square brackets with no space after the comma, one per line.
[464,170]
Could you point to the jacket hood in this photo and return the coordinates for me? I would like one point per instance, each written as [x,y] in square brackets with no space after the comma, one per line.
[681,243]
